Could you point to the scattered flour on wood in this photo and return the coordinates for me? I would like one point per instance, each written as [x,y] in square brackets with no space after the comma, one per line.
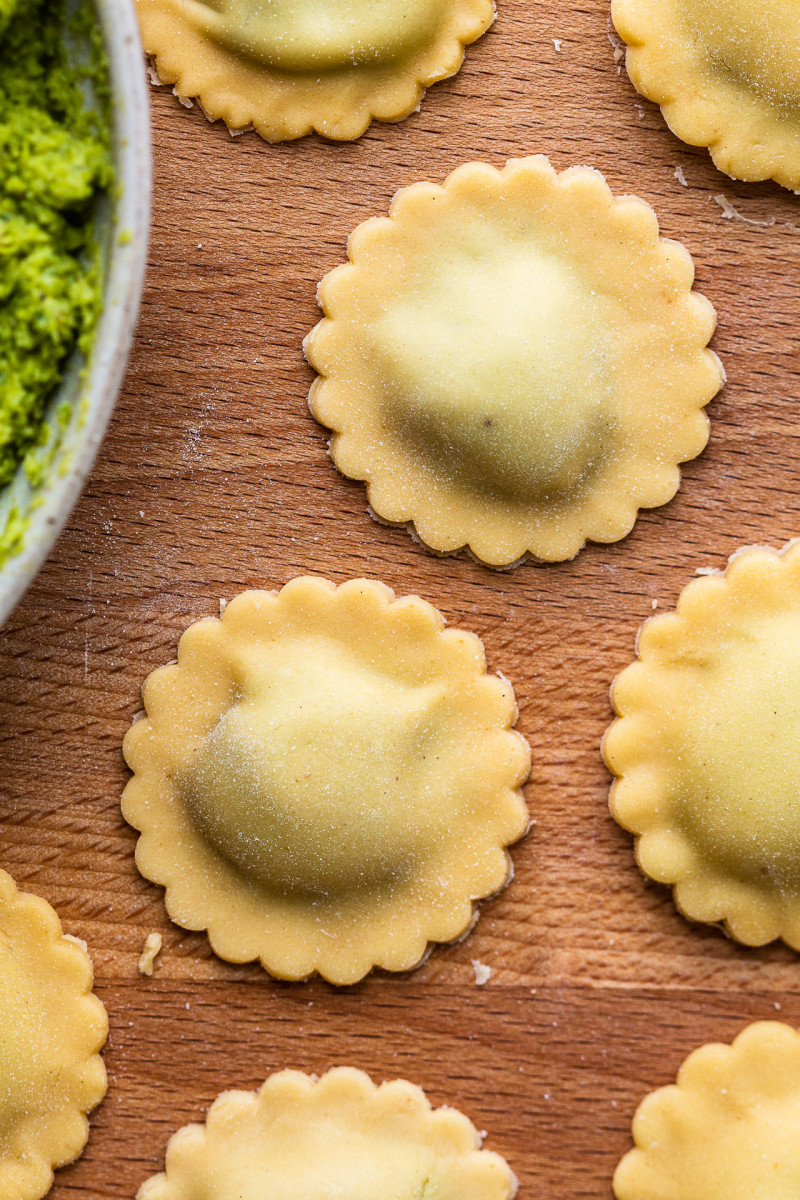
[157,81]
[730,213]
[618,46]
[558,43]
[679,175]
[482,973]
[152,949]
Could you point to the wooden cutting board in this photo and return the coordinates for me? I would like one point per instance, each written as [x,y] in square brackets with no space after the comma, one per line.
[214,478]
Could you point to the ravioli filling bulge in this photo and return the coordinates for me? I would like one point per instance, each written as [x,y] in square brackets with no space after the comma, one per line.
[757,42]
[498,370]
[326,776]
[738,779]
[298,36]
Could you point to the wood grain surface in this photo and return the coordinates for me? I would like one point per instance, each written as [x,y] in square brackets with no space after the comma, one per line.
[214,477]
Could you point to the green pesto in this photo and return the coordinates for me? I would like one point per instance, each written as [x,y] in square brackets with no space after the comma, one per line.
[55,158]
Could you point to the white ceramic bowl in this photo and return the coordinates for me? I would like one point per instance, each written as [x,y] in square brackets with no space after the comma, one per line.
[123,226]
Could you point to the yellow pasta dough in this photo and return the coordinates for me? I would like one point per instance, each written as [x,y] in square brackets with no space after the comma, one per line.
[326,780]
[726,76]
[514,362]
[707,748]
[289,67]
[51,1031]
[338,1137]
[728,1130]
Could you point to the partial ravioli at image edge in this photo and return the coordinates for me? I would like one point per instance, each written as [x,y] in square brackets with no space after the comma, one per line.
[48,1133]
[749,138]
[724,1127]
[391,1129]
[338,104]
[714,877]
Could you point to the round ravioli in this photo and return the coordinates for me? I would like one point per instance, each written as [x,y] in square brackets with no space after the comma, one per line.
[51,1032]
[299,1138]
[514,362]
[326,780]
[289,67]
[707,748]
[727,1130]
[726,75]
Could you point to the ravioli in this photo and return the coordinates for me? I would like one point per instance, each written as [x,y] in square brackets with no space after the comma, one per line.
[705,749]
[291,67]
[51,1032]
[514,362]
[327,780]
[726,75]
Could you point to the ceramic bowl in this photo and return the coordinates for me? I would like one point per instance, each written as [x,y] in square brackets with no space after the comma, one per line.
[123,224]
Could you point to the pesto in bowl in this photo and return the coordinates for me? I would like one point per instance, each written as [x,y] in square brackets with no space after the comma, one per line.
[74,215]
[55,160]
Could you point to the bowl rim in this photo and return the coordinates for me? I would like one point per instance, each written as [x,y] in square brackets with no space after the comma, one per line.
[122,294]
